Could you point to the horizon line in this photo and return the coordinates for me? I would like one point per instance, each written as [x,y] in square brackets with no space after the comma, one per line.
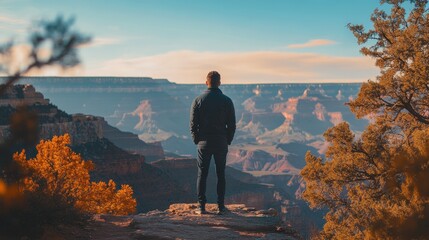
[197,83]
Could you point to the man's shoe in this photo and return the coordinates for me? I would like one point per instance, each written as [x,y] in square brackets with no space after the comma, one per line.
[222,210]
[201,211]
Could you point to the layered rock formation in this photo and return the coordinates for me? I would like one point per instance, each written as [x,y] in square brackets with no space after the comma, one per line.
[25,95]
[82,128]
[94,139]
[259,160]
[158,110]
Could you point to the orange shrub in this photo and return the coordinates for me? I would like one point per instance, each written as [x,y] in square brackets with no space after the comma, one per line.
[58,171]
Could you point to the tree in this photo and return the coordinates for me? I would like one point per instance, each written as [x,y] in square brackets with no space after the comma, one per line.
[376,186]
[59,172]
[52,43]
[401,51]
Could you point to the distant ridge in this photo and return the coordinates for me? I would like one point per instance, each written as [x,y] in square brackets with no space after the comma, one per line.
[116,79]
[62,79]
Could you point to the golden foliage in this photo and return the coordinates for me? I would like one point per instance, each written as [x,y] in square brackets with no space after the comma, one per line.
[376,186]
[104,198]
[58,171]
[373,191]
[399,45]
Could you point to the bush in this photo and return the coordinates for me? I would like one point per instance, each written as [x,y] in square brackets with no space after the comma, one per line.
[58,171]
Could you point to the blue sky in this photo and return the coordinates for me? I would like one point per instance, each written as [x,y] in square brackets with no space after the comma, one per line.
[246,40]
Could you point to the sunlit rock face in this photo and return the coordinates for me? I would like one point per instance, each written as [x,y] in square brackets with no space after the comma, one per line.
[320,111]
[259,160]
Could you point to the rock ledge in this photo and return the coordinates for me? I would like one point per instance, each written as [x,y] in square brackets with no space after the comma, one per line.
[181,222]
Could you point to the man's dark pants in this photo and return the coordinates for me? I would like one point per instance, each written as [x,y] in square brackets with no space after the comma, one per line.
[204,156]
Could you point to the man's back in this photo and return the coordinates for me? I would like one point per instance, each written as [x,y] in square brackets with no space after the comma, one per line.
[212,118]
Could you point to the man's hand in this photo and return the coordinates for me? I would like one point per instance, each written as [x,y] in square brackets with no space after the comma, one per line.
[194,121]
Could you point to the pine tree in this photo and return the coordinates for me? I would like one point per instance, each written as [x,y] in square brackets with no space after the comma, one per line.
[376,186]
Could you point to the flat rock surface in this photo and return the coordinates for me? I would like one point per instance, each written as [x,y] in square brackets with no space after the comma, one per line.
[180,221]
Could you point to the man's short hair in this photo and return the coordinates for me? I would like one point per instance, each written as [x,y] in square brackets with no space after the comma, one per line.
[213,78]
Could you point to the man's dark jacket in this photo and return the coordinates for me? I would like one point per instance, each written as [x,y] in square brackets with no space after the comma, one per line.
[212,119]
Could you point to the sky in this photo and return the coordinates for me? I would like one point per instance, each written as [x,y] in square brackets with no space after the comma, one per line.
[247,41]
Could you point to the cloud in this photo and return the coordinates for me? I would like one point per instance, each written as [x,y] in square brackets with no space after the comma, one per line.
[12,20]
[12,24]
[100,41]
[18,59]
[12,29]
[242,67]
[312,43]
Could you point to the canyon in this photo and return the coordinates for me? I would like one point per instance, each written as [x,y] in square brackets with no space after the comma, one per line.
[279,121]
[123,157]
[136,132]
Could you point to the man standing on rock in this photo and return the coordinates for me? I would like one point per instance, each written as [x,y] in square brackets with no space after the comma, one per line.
[212,128]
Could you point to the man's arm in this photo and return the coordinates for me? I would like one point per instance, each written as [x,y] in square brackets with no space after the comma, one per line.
[230,122]
[195,121]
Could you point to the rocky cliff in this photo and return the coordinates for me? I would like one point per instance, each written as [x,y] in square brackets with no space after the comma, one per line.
[24,95]
[240,223]
[94,139]
[81,127]
[179,221]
